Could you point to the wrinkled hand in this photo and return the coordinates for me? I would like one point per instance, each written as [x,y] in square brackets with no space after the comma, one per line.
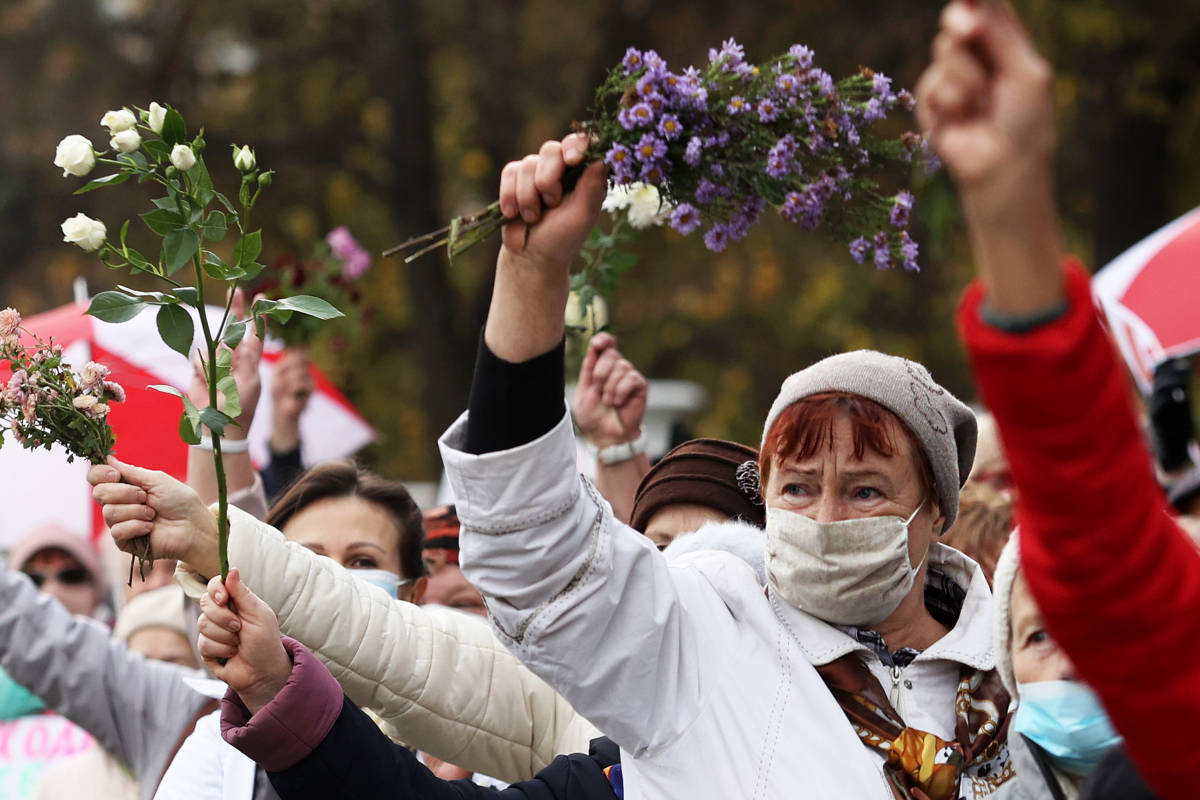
[986,99]
[610,397]
[245,637]
[531,193]
[246,358]
[152,503]
[291,387]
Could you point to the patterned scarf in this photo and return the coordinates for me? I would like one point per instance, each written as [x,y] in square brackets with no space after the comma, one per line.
[920,765]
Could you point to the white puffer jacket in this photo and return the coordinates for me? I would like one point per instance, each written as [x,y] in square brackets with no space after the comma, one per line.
[437,676]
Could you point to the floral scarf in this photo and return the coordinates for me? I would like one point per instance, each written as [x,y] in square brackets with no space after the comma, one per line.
[920,765]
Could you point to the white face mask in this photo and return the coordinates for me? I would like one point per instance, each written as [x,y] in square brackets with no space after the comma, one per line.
[849,572]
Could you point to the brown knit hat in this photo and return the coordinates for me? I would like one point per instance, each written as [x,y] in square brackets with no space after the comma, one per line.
[707,472]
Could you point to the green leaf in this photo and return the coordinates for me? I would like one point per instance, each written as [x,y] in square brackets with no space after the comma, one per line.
[179,246]
[174,130]
[162,221]
[189,430]
[620,260]
[234,333]
[100,183]
[260,324]
[165,389]
[176,328]
[135,160]
[248,248]
[124,232]
[159,150]
[252,271]
[115,307]
[223,200]
[167,203]
[202,185]
[152,298]
[309,305]
[216,226]
[233,403]
[215,420]
[188,294]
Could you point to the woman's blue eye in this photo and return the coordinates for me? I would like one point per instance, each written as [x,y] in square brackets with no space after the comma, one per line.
[866,493]
[793,489]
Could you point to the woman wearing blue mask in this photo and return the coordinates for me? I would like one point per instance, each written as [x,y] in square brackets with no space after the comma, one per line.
[1062,742]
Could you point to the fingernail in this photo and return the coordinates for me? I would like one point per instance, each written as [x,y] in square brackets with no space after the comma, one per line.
[529,216]
[572,152]
[219,597]
[142,497]
[235,625]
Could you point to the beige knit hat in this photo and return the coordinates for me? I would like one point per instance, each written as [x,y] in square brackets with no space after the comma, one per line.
[1005,576]
[158,608]
[944,426]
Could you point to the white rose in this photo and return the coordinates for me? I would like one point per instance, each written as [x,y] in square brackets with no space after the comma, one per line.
[182,157]
[84,231]
[126,141]
[243,158]
[155,117]
[590,319]
[75,156]
[646,207]
[120,120]
[618,197]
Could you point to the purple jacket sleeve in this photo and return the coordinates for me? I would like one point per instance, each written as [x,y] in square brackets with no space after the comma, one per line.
[286,730]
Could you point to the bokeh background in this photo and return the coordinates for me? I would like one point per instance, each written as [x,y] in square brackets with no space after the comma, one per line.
[390,116]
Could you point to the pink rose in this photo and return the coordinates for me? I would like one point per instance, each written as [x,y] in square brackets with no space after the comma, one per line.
[10,320]
[356,261]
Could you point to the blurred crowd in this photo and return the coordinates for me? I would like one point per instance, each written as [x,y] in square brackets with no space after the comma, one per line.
[890,595]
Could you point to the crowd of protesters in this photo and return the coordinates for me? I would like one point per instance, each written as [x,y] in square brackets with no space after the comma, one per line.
[890,595]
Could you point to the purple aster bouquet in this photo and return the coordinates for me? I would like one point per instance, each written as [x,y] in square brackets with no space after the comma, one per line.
[45,402]
[724,143]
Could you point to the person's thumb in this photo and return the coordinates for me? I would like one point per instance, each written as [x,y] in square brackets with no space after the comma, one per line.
[249,606]
[591,188]
[1005,42]
[138,476]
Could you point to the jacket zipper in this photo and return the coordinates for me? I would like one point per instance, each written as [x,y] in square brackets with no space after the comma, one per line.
[894,695]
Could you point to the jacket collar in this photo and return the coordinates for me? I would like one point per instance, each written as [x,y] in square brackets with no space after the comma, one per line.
[968,642]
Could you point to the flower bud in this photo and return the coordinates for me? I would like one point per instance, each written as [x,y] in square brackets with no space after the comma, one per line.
[75,156]
[182,157]
[155,117]
[84,231]
[126,141]
[589,319]
[120,120]
[265,179]
[243,158]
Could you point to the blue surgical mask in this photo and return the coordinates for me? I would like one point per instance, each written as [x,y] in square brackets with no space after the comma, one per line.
[15,701]
[1066,719]
[388,581]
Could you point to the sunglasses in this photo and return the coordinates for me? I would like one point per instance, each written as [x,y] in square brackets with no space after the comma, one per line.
[72,576]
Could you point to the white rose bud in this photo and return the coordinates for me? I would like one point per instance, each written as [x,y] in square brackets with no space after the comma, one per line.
[84,231]
[120,120]
[588,320]
[182,157]
[75,156]
[155,117]
[243,158]
[126,141]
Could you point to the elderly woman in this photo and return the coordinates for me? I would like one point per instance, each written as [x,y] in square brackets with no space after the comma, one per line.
[866,666]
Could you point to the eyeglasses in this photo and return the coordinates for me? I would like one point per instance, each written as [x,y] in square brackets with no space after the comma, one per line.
[72,576]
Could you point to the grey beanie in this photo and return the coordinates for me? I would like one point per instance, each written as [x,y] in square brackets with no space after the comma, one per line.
[942,423]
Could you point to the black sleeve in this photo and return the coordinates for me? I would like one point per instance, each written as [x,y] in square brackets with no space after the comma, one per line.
[356,760]
[513,404]
[279,472]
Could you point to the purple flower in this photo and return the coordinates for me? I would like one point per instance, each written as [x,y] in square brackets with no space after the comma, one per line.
[802,54]
[787,83]
[650,149]
[767,111]
[908,251]
[902,208]
[881,85]
[356,261]
[874,110]
[907,101]
[654,63]
[716,238]
[685,218]
[646,85]
[654,173]
[669,126]
[618,156]
[804,208]
[642,115]
[626,118]
[738,105]
[695,148]
[730,55]
[717,171]
[822,80]
[859,249]
[883,253]
[632,61]
[707,191]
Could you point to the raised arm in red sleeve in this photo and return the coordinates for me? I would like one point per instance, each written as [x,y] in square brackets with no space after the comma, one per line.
[1118,582]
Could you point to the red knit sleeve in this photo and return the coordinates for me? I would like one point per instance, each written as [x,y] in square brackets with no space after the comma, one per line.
[1117,581]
